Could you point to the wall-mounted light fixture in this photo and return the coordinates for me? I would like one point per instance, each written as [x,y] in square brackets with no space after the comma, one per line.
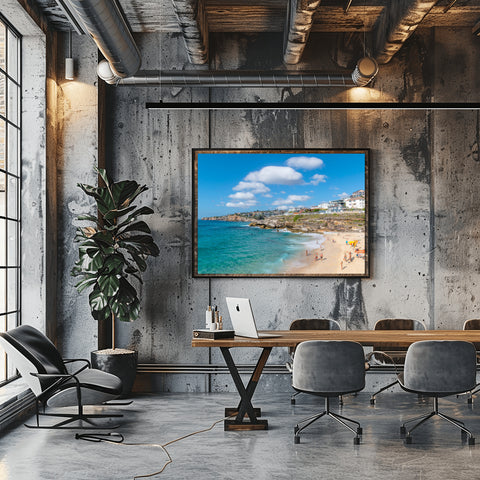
[365,71]
[69,70]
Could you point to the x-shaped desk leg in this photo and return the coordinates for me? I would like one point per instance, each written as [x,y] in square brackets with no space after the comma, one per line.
[245,406]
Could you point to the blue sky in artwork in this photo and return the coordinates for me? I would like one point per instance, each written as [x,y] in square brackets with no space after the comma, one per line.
[243,182]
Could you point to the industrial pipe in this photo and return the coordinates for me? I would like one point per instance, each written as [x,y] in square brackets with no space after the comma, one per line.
[203,78]
[109,30]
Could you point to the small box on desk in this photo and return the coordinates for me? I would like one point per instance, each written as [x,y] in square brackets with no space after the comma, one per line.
[213,334]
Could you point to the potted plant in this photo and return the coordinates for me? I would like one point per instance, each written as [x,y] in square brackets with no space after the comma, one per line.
[112,254]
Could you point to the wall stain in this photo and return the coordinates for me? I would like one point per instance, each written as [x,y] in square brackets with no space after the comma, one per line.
[416,155]
[349,305]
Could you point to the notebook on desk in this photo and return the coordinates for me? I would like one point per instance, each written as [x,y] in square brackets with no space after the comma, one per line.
[243,322]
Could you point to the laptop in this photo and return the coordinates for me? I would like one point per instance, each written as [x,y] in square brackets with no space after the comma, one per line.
[242,319]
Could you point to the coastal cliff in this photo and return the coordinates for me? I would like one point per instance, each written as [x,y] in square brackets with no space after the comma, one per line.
[303,223]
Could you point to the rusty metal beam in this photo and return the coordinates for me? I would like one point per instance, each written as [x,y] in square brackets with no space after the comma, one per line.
[193,23]
[395,25]
[297,29]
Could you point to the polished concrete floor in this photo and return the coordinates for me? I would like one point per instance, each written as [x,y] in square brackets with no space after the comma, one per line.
[326,450]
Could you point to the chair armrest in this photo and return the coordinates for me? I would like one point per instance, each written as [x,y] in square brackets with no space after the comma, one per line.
[61,378]
[369,356]
[71,360]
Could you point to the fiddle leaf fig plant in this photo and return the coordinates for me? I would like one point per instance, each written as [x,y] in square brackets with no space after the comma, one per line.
[114,250]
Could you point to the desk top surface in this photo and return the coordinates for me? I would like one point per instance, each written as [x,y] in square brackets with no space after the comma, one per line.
[291,338]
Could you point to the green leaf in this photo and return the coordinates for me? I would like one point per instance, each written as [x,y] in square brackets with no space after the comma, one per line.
[88,217]
[140,226]
[109,284]
[97,300]
[137,213]
[82,285]
[115,213]
[114,263]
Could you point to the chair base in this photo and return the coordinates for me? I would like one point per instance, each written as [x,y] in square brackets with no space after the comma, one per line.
[423,418]
[373,397]
[327,412]
[71,418]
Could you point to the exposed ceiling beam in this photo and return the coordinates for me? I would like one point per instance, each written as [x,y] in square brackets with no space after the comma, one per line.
[395,25]
[192,20]
[297,29]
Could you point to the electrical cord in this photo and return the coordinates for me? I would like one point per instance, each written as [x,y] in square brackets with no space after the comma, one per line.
[118,439]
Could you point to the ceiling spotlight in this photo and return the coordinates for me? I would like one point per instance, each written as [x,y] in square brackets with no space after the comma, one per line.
[69,73]
[365,71]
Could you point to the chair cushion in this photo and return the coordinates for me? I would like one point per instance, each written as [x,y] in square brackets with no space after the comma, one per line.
[329,368]
[440,366]
[96,387]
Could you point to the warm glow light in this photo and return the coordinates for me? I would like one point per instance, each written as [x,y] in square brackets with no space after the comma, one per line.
[363,94]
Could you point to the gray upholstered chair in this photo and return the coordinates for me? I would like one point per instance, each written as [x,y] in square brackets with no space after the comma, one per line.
[308,324]
[473,324]
[45,372]
[438,368]
[394,355]
[328,369]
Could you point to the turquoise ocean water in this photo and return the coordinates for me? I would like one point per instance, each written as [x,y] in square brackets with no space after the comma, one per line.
[235,248]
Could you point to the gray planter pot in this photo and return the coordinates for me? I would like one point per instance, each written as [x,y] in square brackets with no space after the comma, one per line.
[119,362]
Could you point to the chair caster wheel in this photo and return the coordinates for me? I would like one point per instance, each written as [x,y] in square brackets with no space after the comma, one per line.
[360,431]
[292,401]
[408,440]
[471,441]
[372,401]
[403,430]
[296,439]
[356,441]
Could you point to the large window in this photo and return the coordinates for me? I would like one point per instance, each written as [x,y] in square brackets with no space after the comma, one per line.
[10,109]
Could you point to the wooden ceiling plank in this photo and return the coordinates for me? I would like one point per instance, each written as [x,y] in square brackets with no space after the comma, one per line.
[192,19]
[395,25]
[299,23]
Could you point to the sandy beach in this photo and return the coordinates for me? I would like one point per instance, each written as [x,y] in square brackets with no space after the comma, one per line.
[339,254]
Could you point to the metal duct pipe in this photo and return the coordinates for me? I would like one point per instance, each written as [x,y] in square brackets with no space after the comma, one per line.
[203,78]
[105,23]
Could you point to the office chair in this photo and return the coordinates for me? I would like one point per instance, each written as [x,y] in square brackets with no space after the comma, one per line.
[44,371]
[438,368]
[472,324]
[394,355]
[309,324]
[328,369]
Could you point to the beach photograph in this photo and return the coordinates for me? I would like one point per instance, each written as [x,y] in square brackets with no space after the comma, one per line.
[280,213]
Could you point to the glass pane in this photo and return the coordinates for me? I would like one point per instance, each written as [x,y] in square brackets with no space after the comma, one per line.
[3,291]
[2,46]
[13,153]
[11,289]
[12,58]
[2,143]
[12,102]
[3,92]
[12,197]
[12,320]
[12,251]
[3,242]
[3,360]
[3,197]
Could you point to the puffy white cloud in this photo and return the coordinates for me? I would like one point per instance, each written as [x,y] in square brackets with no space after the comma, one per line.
[246,203]
[243,196]
[291,199]
[283,207]
[276,175]
[316,179]
[305,163]
[254,187]
[342,195]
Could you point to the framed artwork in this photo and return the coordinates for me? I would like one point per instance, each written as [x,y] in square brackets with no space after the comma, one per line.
[280,213]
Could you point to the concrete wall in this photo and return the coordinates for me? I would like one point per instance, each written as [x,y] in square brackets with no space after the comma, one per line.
[424,195]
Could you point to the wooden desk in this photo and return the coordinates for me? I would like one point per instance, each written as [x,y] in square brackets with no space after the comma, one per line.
[291,338]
